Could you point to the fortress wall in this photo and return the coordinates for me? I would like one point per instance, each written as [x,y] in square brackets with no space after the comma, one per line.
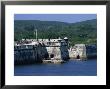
[60,52]
[91,51]
[30,55]
[64,53]
[79,50]
[55,51]
[40,52]
[25,56]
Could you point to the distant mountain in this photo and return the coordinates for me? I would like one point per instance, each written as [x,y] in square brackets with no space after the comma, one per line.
[80,32]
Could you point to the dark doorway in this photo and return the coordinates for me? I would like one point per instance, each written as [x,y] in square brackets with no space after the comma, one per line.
[51,55]
[78,57]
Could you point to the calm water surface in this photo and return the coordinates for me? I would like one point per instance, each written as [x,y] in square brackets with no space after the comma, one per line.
[71,68]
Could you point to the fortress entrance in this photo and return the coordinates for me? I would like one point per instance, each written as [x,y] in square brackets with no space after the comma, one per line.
[78,57]
[51,55]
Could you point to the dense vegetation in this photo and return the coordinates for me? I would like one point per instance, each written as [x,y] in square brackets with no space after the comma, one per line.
[80,32]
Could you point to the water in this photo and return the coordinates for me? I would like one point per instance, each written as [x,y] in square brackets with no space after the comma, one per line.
[71,68]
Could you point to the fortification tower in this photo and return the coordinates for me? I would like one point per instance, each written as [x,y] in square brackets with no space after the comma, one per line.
[66,41]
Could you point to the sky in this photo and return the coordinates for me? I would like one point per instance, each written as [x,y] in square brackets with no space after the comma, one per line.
[70,18]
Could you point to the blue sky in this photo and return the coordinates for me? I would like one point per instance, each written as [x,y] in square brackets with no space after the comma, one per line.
[70,18]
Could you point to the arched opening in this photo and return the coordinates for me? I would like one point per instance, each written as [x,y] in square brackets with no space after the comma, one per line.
[78,57]
[51,55]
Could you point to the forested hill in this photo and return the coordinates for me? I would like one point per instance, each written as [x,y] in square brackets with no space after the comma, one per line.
[80,32]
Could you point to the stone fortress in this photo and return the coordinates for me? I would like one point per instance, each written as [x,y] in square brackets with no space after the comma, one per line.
[47,51]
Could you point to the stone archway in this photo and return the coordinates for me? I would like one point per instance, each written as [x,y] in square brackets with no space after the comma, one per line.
[51,55]
[77,57]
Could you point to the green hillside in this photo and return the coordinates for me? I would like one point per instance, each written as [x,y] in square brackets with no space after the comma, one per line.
[80,32]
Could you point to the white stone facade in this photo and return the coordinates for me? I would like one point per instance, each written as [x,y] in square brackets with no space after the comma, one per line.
[78,50]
